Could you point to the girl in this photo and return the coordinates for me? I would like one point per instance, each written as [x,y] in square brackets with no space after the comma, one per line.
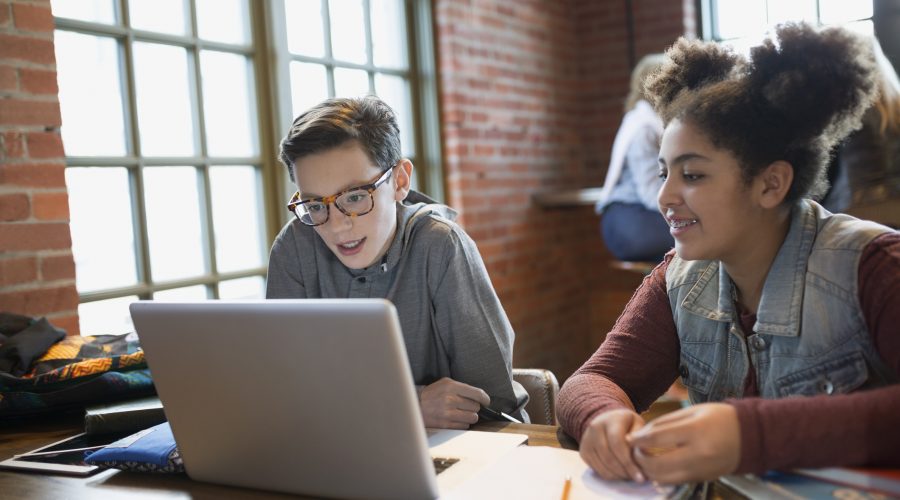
[767,295]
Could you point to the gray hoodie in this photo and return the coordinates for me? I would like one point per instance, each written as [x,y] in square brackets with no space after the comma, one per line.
[452,321]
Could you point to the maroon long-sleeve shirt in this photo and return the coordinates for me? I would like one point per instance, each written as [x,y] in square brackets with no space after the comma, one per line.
[639,360]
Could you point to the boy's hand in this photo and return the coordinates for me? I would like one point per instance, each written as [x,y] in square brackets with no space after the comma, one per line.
[699,443]
[448,404]
[605,449]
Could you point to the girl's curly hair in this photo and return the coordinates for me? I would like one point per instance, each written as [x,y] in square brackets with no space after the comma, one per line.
[793,100]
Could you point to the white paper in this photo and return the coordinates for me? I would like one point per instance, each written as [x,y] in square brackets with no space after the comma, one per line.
[540,472]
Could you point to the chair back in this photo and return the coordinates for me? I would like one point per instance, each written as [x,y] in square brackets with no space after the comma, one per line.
[542,388]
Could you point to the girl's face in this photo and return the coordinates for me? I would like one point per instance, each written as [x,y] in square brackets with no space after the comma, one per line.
[712,213]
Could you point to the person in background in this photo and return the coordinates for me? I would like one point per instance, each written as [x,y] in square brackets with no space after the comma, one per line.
[359,231]
[779,317]
[865,170]
[631,225]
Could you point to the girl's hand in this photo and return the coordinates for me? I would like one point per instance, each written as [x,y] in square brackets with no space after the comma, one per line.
[605,449]
[699,443]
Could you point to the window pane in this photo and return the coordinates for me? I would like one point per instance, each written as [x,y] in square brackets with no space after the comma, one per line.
[304,28]
[101,225]
[350,82]
[791,10]
[164,16]
[237,217]
[243,288]
[223,21]
[106,317]
[348,30]
[163,100]
[90,96]
[866,28]
[309,86]
[842,11]
[388,33]
[196,292]
[99,11]
[737,18]
[229,112]
[394,90]
[173,222]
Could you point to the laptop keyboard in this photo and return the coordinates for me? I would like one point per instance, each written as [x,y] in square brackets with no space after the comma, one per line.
[441,464]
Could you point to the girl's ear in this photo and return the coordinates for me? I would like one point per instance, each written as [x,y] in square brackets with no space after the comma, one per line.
[776,181]
[402,179]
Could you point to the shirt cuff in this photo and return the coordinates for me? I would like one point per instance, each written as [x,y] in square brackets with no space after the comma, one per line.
[752,450]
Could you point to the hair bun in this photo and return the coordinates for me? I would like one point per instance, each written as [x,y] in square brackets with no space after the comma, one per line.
[818,81]
[690,64]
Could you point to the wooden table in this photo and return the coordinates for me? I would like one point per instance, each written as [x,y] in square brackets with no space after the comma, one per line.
[28,435]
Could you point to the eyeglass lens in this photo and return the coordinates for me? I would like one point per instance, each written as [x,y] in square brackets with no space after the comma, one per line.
[357,202]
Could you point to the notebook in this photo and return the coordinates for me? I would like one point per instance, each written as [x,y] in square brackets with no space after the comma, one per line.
[311,396]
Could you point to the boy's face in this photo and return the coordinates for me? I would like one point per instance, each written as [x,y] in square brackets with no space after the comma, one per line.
[358,241]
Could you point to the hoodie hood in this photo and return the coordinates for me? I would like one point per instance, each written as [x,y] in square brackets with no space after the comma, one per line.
[416,209]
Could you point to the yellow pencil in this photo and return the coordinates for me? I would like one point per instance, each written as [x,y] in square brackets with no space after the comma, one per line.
[566,487]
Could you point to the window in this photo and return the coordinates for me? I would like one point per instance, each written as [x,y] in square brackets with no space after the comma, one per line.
[744,23]
[172,111]
[347,48]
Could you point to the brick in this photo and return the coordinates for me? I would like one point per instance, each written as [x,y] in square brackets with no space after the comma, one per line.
[30,17]
[9,77]
[40,301]
[5,14]
[50,206]
[27,48]
[38,81]
[29,112]
[531,99]
[44,175]
[57,267]
[43,145]
[15,271]
[35,236]
[14,207]
[12,145]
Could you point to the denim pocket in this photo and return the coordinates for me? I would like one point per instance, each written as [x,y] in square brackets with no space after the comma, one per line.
[696,375]
[839,374]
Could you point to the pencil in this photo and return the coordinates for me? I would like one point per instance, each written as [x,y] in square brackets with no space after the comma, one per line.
[566,487]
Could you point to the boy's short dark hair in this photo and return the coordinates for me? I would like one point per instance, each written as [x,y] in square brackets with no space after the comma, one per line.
[332,123]
[793,100]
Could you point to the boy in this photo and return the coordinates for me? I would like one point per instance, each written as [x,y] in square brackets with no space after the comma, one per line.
[360,231]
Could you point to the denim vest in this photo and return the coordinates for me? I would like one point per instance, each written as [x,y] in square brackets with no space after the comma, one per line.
[810,336]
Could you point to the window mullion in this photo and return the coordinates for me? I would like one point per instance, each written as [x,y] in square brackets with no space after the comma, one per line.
[329,55]
[370,50]
[135,173]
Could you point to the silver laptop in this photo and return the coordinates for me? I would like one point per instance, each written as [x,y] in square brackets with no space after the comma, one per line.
[301,396]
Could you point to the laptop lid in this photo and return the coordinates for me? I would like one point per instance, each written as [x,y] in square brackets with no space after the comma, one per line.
[307,396]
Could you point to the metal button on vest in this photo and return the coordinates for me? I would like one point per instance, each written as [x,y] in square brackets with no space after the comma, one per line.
[683,371]
[758,343]
[825,386]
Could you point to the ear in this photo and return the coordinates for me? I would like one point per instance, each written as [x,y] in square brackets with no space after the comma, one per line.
[402,181]
[775,182]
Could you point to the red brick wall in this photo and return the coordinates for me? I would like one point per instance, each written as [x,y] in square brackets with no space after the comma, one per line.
[37,273]
[531,96]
